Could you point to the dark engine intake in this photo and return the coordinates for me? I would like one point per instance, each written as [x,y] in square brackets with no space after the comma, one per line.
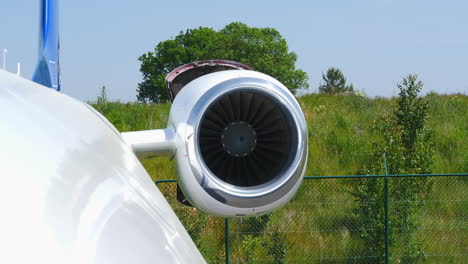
[246,138]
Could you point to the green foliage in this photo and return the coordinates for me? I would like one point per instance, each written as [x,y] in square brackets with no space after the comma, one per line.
[277,247]
[263,49]
[102,102]
[409,146]
[334,82]
[260,223]
[102,98]
[266,242]
[411,115]
[193,220]
[250,244]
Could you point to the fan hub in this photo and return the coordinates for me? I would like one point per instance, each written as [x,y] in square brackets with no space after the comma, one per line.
[239,139]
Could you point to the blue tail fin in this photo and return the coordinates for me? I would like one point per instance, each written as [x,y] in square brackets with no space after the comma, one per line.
[47,70]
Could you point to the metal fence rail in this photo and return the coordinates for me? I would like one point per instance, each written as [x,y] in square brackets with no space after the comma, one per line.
[327,223]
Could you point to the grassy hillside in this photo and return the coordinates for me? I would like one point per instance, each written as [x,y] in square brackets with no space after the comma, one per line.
[339,130]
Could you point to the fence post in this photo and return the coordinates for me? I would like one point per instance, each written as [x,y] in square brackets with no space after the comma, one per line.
[226,239]
[387,220]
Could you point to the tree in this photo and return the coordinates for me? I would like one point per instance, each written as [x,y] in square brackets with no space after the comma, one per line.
[102,102]
[408,145]
[335,82]
[263,49]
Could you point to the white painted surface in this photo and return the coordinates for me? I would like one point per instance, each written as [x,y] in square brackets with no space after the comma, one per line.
[151,142]
[72,191]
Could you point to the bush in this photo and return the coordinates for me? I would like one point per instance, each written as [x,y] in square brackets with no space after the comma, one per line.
[408,145]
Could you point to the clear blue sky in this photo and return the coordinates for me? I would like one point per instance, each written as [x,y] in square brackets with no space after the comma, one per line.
[374,42]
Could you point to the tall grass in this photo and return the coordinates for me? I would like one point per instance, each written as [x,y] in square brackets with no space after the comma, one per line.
[339,128]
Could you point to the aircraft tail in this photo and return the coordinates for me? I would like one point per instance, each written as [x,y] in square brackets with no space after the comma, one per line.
[47,70]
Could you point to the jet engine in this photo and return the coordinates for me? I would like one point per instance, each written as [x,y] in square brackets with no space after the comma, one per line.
[238,137]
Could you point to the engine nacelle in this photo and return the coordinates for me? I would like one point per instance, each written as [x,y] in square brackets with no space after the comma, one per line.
[239,139]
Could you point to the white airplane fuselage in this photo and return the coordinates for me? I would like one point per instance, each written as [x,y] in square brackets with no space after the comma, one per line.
[73,191]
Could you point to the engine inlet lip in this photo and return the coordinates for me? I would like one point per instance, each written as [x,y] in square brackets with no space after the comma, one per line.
[260,195]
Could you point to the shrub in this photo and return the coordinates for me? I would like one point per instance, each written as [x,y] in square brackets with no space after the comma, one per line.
[408,145]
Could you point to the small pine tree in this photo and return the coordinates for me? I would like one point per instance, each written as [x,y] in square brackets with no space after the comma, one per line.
[102,98]
[334,82]
[102,101]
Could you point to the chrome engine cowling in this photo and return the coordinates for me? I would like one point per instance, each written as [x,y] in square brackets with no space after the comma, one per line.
[239,139]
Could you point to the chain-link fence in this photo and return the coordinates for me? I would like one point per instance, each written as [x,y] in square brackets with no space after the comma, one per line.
[343,219]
